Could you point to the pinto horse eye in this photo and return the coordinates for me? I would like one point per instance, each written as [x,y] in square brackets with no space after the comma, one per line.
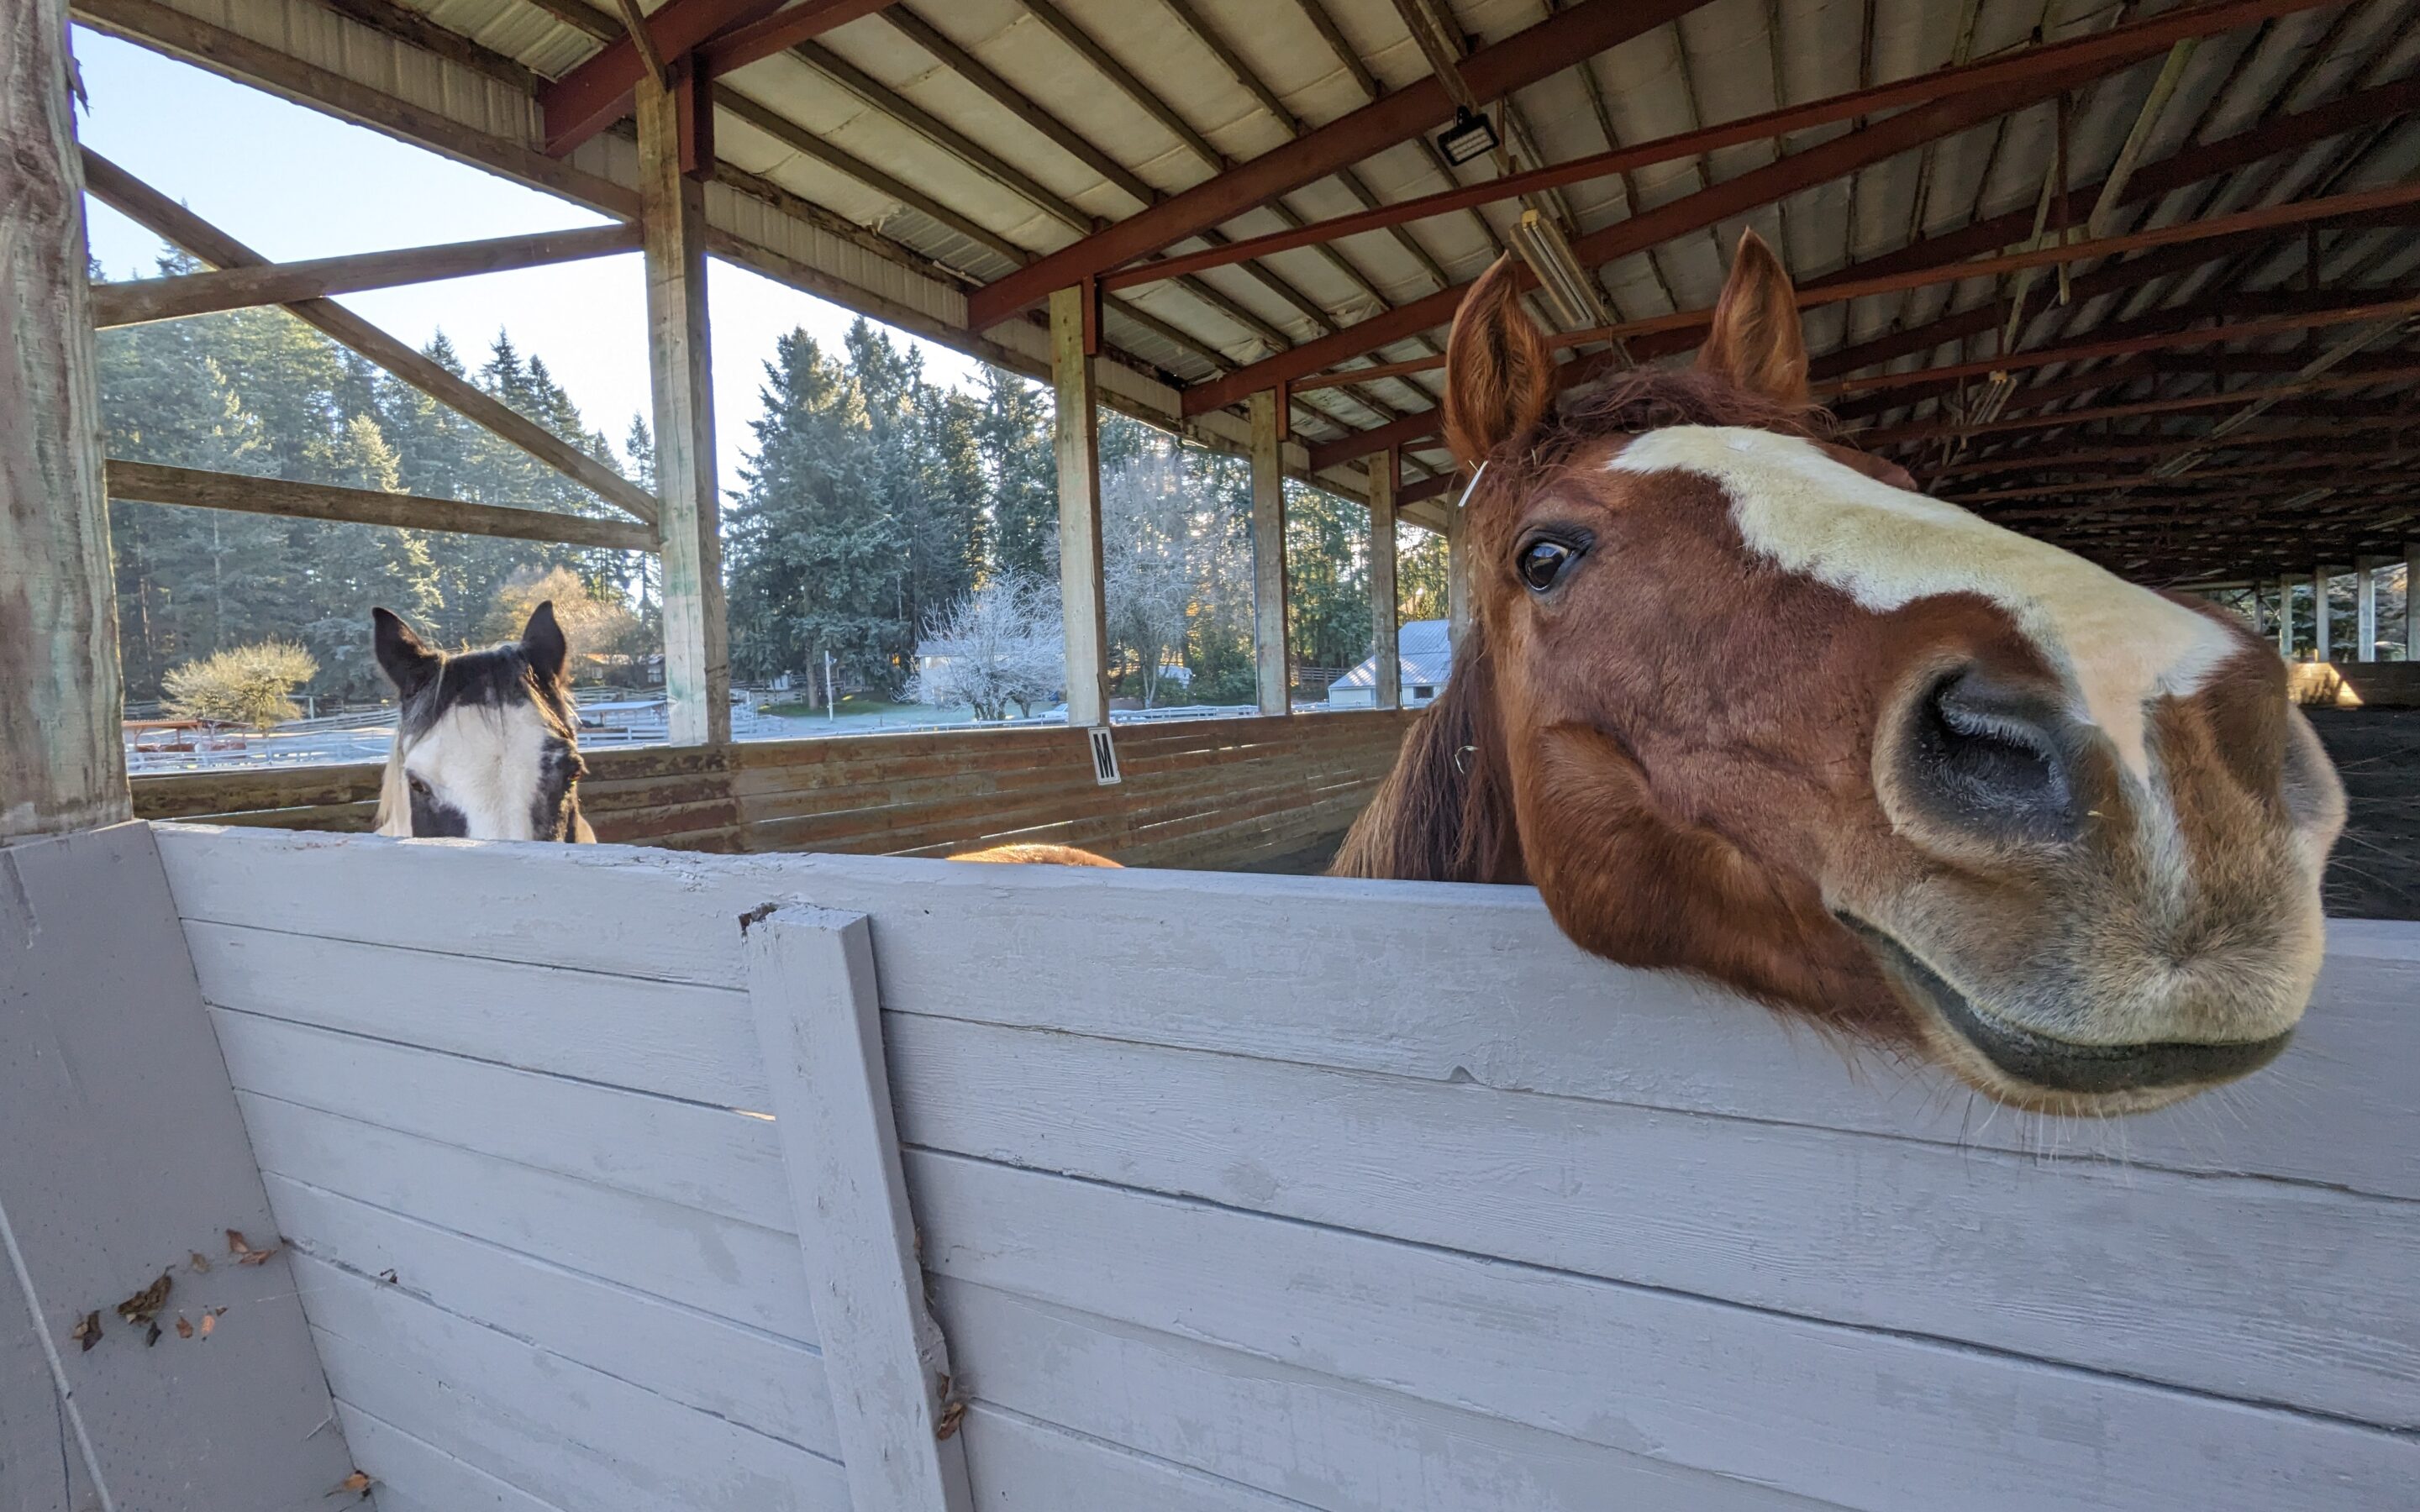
[418,786]
[1543,562]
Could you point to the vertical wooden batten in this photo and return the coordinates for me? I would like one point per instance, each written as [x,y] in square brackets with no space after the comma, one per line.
[1269,649]
[2322,644]
[62,761]
[1076,442]
[811,983]
[2412,603]
[2365,606]
[1385,614]
[672,216]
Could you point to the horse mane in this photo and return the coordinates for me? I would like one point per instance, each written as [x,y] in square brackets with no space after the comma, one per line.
[1444,812]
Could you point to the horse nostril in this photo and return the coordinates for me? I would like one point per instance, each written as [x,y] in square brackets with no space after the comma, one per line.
[1985,756]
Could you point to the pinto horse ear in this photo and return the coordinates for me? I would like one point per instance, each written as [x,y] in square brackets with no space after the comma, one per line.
[1499,375]
[543,645]
[1756,341]
[408,664]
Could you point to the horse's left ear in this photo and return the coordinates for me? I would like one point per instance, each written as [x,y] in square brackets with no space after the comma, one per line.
[408,664]
[543,644]
[1499,375]
[1756,341]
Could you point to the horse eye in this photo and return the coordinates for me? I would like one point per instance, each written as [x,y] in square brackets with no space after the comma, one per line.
[418,786]
[1543,563]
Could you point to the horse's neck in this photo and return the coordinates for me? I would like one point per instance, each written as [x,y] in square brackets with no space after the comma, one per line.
[1445,814]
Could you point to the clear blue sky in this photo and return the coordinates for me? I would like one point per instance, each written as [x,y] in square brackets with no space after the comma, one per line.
[294,183]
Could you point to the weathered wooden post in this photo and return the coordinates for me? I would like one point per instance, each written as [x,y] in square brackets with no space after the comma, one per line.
[1385,615]
[1076,441]
[2366,571]
[62,758]
[1457,582]
[671,218]
[1270,649]
[2412,602]
[2285,618]
[2322,649]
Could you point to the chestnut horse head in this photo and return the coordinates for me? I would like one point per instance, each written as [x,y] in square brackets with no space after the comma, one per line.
[1742,703]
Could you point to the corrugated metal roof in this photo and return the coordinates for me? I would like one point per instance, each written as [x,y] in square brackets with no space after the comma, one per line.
[934,125]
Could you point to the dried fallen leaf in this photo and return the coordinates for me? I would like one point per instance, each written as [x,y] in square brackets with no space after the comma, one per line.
[152,1337]
[359,1483]
[244,1254]
[952,1416]
[211,1320]
[199,1262]
[184,1329]
[88,1329]
[142,1306]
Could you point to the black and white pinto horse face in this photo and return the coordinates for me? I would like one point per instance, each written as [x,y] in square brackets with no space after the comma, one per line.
[486,742]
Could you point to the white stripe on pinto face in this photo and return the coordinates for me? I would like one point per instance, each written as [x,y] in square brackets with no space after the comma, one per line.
[2117,646]
[485,761]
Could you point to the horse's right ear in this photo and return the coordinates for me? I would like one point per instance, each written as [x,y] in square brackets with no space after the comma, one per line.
[1499,375]
[1759,340]
[543,644]
[408,664]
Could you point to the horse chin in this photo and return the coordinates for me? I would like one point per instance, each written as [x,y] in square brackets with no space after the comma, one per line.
[2041,1072]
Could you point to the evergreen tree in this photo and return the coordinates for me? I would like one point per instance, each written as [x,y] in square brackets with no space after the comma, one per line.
[1014,434]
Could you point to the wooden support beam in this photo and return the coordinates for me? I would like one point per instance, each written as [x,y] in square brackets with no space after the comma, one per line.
[1270,657]
[1547,48]
[2365,570]
[1076,443]
[600,91]
[236,288]
[2135,41]
[1384,612]
[62,760]
[672,215]
[2285,618]
[156,484]
[1457,582]
[156,211]
[1733,197]
[2412,602]
[2323,647]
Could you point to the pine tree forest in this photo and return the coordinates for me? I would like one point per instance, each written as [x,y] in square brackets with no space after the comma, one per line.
[871,501]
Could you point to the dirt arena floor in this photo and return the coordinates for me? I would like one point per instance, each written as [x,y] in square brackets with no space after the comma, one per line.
[2376,871]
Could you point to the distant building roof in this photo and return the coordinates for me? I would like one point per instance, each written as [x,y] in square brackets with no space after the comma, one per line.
[1427,658]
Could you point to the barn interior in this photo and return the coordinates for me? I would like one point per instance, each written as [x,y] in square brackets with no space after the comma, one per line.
[2135,279]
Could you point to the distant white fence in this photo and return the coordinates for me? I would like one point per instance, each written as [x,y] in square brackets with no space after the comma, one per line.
[1254,1193]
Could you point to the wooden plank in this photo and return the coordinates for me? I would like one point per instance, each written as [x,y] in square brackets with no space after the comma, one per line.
[1864,1419]
[127,1155]
[1296,1433]
[734,1270]
[973,942]
[711,1159]
[669,1037]
[671,218]
[811,983]
[1076,444]
[414,1475]
[1023,1465]
[155,483]
[1272,666]
[543,1424]
[1385,613]
[772,1385]
[138,301]
[2305,1305]
[156,211]
[62,765]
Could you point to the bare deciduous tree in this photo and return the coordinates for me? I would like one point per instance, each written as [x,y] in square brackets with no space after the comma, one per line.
[998,644]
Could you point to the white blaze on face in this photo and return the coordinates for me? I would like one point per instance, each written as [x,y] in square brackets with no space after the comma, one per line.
[485,761]
[2115,645]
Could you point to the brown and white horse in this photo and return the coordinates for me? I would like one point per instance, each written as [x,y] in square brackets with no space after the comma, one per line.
[1741,702]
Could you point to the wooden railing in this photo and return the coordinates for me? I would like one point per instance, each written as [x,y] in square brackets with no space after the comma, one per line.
[1199,793]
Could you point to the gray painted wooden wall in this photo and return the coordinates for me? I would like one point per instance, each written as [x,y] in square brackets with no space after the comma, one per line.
[1270,1193]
